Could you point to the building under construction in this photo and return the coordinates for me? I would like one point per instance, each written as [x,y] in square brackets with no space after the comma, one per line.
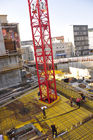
[10,66]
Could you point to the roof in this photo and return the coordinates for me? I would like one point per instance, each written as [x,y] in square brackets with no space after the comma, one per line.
[3,15]
[59,37]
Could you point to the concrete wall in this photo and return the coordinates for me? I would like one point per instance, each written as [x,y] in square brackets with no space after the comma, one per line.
[10,79]
[83,65]
[2,46]
[9,62]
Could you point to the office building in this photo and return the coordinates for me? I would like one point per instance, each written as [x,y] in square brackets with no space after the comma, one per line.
[78,35]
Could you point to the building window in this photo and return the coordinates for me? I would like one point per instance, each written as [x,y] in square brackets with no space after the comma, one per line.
[59,52]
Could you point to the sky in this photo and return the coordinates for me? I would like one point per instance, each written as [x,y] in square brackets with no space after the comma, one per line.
[61,12]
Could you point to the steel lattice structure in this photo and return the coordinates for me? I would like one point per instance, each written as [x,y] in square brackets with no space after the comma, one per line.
[40,25]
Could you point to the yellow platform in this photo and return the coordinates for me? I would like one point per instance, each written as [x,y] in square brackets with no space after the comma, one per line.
[66,118]
[69,91]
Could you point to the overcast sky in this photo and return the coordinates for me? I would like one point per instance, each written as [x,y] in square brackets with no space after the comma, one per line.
[62,12]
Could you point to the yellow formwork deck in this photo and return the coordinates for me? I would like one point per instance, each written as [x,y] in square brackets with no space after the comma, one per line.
[27,109]
[83,132]
[69,91]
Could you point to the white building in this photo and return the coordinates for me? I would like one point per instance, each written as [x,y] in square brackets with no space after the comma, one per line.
[90,34]
[27,50]
[78,35]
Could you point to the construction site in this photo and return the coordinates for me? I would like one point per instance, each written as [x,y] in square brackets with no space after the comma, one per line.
[45,99]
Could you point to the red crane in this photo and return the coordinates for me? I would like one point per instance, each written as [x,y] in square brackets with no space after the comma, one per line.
[40,25]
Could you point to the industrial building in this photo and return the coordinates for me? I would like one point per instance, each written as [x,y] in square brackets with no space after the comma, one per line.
[78,35]
[10,65]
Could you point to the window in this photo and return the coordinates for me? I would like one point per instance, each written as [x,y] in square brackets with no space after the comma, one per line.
[75,33]
[61,51]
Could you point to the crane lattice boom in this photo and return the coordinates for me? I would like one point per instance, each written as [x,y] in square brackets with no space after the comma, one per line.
[39,17]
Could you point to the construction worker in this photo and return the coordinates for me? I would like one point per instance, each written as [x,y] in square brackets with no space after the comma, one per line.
[44,113]
[78,100]
[39,93]
[54,130]
[71,101]
[83,97]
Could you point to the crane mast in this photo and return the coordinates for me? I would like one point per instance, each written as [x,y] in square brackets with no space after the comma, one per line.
[40,25]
